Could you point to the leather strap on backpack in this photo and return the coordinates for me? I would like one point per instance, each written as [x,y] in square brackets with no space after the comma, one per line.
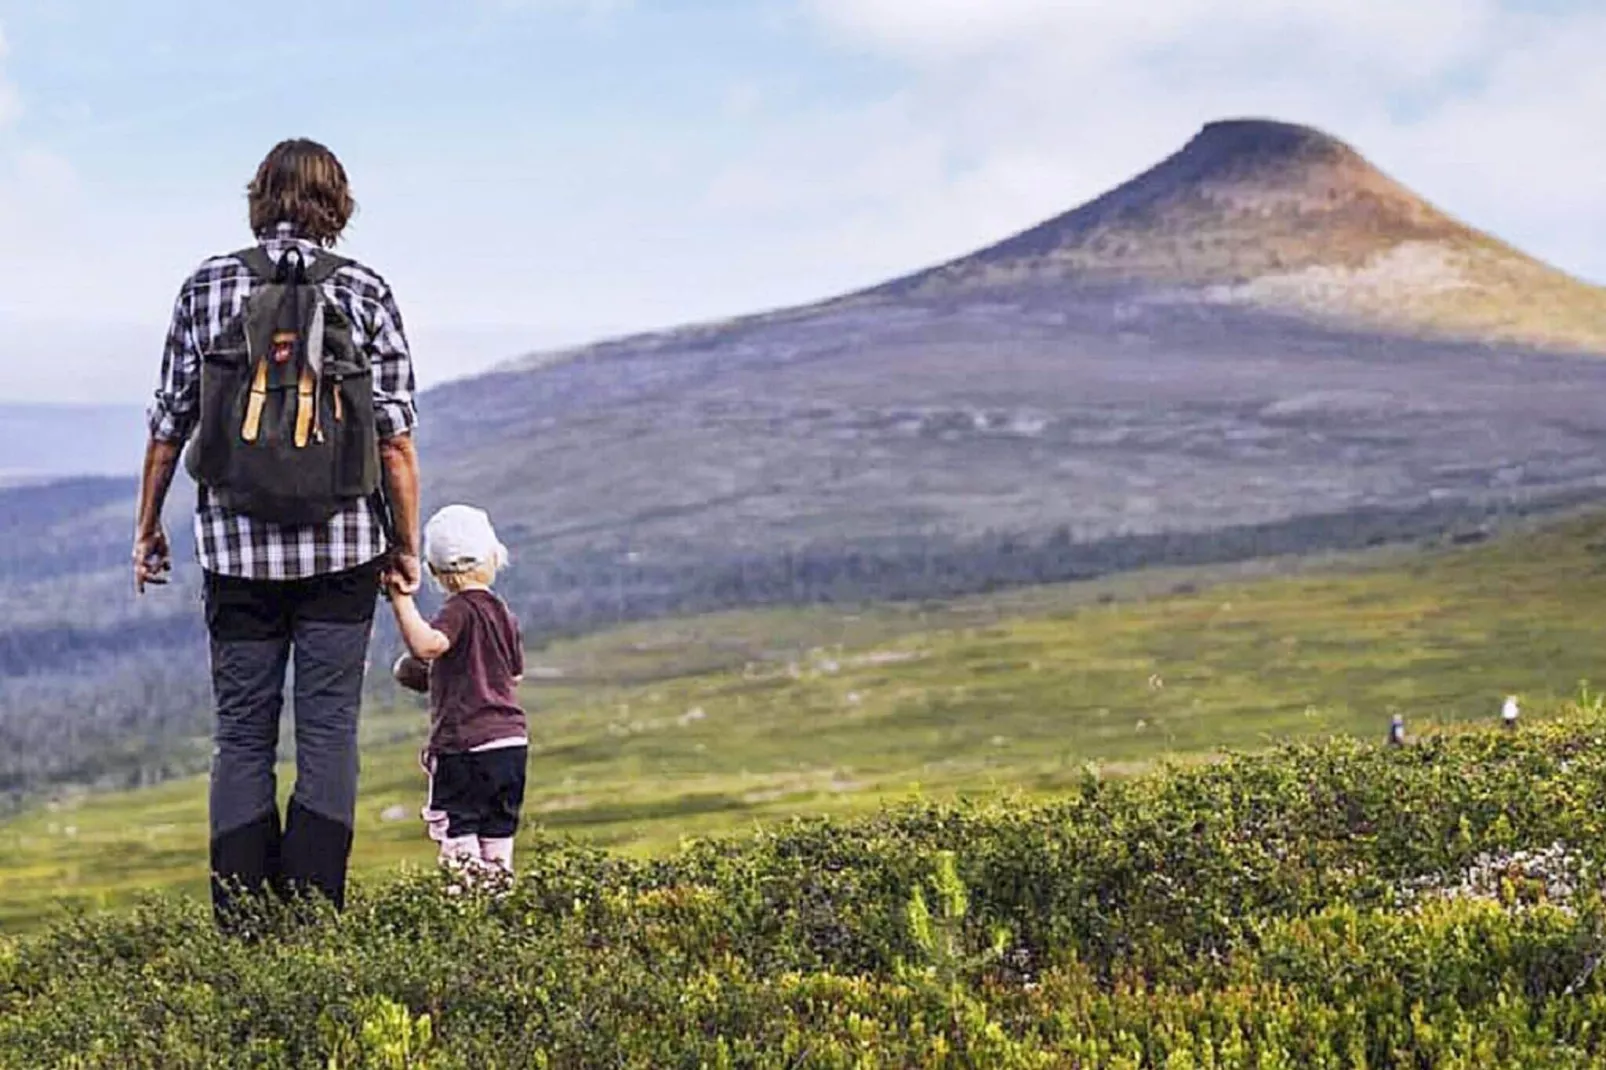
[304,407]
[258,397]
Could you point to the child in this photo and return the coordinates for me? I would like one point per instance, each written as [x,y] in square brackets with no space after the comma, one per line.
[477,741]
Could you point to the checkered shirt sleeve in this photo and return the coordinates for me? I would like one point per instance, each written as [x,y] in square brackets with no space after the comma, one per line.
[394,410]
[175,410]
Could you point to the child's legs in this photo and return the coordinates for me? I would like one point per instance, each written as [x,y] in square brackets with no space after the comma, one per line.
[460,849]
[452,811]
[502,771]
[497,851]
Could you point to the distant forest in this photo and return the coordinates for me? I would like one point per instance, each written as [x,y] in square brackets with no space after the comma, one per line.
[121,706]
[582,593]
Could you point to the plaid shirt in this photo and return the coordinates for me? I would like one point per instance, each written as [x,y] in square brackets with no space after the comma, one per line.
[225,541]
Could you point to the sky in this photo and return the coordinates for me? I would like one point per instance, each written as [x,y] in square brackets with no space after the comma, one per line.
[538,173]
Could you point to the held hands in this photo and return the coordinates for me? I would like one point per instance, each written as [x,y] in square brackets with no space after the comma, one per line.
[153,559]
[403,576]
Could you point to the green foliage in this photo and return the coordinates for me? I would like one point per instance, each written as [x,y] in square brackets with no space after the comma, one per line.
[384,1036]
[1590,700]
[1326,905]
[939,939]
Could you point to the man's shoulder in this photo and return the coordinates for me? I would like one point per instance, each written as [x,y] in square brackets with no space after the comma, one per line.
[213,270]
[230,261]
[354,271]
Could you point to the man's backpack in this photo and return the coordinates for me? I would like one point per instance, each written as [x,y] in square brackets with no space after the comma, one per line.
[287,431]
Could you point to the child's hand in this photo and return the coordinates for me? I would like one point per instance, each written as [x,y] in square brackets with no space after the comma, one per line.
[408,573]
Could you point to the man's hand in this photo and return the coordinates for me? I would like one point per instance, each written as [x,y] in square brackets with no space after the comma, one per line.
[397,584]
[398,458]
[405,574]
[153,559]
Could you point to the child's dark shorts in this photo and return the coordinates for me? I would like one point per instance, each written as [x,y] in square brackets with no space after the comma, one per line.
[478,793]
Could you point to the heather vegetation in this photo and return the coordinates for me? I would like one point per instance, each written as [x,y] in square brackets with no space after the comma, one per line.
[1325,905]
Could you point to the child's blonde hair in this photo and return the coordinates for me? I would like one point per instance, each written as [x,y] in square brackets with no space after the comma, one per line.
[463,579]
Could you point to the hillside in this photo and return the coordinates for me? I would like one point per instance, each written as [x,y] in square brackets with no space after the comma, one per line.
[1323,906]
[659,731]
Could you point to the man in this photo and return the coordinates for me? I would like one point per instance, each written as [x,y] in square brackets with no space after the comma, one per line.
[285,585]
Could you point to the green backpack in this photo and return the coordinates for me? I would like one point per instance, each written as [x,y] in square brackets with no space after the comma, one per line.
[287,433]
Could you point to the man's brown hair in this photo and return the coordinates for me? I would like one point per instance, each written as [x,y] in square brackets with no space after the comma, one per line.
[301,183]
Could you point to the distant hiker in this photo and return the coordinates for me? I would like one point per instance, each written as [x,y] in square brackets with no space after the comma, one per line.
[1397,731]
[478,743]
[287,371]
[1509,713]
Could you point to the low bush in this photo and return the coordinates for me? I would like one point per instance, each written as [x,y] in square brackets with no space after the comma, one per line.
[1320,906]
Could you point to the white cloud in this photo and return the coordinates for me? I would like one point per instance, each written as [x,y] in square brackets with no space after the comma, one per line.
[34,182]
[1014,110]
[10,106]
[1419,38]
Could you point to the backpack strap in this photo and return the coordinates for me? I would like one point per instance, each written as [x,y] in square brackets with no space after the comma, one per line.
[258,262]
[266,269]
[325,266]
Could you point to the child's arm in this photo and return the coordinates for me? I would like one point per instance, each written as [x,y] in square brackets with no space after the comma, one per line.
[423,641]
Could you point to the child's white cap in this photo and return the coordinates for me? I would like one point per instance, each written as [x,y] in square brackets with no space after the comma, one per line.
[460,538]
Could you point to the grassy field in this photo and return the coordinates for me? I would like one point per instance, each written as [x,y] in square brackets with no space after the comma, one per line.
[660,732]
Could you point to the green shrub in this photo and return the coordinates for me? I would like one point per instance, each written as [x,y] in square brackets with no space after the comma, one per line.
[1324,905]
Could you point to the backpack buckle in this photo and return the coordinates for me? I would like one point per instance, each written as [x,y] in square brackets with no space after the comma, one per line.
[284,346]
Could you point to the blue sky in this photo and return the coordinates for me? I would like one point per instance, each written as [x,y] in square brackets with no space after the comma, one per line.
[539,172]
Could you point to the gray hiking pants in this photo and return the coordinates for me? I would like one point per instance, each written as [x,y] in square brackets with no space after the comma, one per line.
[320,625]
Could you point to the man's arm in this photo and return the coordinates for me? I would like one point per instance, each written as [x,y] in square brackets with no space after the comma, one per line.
[172,417]
[395,414]
[398,460]
[153,557]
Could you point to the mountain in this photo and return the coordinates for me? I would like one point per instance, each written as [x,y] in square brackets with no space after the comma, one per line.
[1261,328]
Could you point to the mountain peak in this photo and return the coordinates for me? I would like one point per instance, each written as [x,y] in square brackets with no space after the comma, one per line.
[1289,217]
[1268,140]
[1242,198]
